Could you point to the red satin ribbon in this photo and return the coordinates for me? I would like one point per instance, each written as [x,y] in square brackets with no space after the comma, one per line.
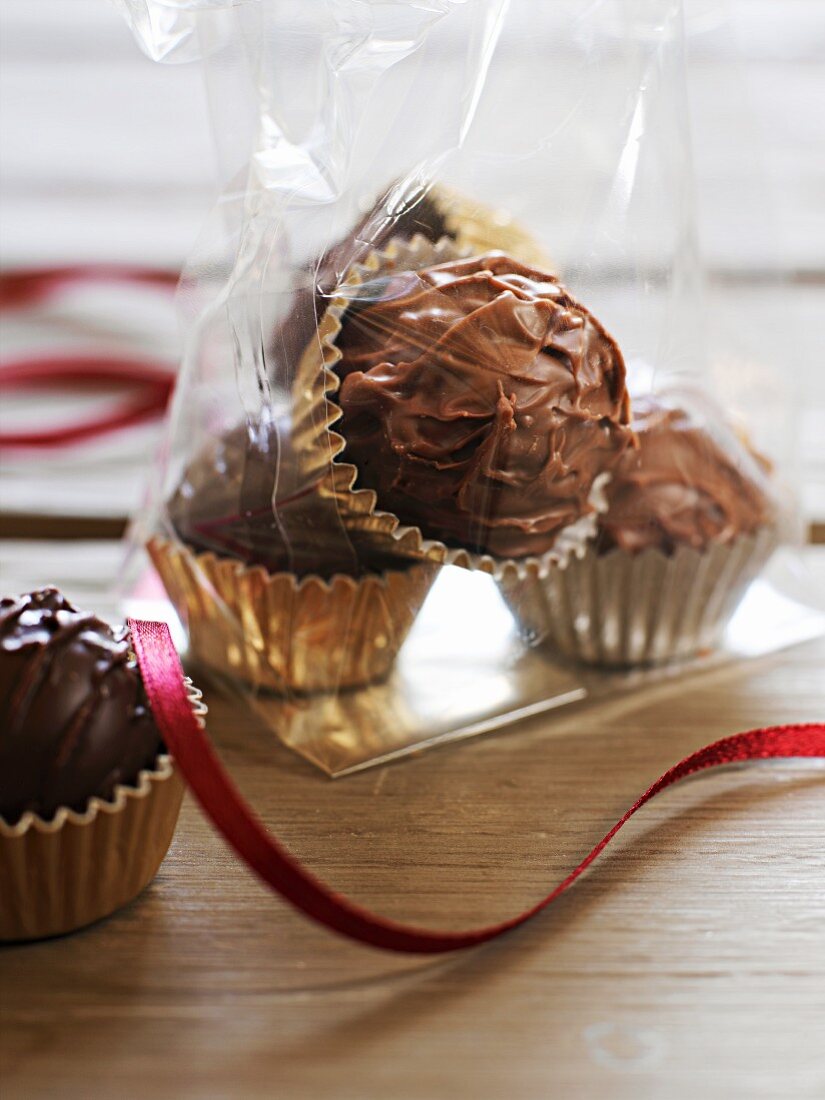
[217,794]
[151,383]
[25,288]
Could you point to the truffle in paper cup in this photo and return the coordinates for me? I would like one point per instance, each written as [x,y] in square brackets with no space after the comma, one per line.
[527,316]
[59,875]
[618,609]
[287,633]
[88,798]
[687,528]
[317,446]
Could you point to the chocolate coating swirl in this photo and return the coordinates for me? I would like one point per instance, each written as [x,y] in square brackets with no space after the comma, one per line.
[74,721]
[481,402]
[681,487]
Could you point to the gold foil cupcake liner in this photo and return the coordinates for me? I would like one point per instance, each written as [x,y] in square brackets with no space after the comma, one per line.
[478,228]
[318,445]
[620,609]
[288,633]
[59,875]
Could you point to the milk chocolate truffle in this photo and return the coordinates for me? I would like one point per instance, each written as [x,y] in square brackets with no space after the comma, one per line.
[74,720]
[680,487]
[481,401]
[417,215]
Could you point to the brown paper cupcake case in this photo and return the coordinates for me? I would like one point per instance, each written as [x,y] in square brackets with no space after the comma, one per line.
[288,633]
[59,875]
[620,609]
[319,446]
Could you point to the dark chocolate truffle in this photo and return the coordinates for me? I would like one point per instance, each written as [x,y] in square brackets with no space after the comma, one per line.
[74,720]
[244,496]
[681,487]
[480,402]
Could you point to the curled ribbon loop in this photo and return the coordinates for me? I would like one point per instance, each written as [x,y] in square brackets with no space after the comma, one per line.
[150,383]
[151,386]
[28,287]
[163,677]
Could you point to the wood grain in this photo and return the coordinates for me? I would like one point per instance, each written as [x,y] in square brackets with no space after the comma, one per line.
[689,961]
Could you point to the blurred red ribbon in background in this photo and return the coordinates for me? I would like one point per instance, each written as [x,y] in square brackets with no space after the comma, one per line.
[150,383]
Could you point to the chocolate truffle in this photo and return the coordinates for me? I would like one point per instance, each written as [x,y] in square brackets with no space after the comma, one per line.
[480,402]
[74,720]
[243,496]
[681,487]
[416,214]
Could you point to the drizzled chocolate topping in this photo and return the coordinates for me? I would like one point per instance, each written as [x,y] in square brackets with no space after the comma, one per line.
[480,402]
[681,487]
[74,721]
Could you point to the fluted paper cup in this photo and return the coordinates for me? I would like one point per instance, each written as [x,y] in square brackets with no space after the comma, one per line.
[288,633]
[620,609]
[318,446]
[59,875]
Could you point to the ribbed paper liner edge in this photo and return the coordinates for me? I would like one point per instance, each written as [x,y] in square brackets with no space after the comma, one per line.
[285,633]
[319,445]
[59,875]
[620,609]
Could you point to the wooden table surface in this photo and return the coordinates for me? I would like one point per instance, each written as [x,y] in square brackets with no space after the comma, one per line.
[690,961]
